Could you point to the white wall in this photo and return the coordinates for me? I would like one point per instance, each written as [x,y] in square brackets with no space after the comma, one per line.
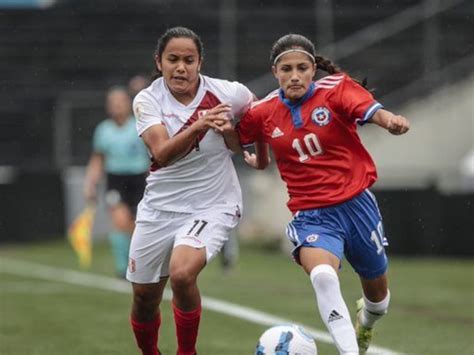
[441,135]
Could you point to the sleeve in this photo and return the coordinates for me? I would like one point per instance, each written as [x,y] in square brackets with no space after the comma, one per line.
[249,128]
[242,99]
[98,143]
[353,101]
[146,113]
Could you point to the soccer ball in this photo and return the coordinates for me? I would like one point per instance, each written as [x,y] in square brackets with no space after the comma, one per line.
[286,340]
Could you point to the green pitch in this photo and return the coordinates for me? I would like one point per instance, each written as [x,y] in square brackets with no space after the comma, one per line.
[432,310]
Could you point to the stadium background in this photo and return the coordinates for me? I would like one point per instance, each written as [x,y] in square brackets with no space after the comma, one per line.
[58,58]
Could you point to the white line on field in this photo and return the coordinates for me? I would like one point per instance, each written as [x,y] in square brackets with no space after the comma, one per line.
[28,269]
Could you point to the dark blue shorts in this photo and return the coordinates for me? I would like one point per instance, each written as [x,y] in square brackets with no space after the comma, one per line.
[352,229]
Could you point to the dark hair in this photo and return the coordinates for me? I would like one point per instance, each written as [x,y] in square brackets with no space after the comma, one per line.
[175,32]
[293,40]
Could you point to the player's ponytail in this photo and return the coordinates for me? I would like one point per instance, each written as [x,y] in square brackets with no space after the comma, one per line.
[327,65]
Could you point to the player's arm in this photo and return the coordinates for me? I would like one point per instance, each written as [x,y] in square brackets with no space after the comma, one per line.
[395,124]
[231,139]
[258,160]
[166,150]
[94,172]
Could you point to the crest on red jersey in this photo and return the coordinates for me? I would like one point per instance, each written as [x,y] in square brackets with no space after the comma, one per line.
[321,116]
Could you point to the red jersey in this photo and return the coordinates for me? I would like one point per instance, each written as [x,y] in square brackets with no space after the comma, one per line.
[315,142]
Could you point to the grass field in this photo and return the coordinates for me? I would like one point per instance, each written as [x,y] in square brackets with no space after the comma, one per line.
[432,309]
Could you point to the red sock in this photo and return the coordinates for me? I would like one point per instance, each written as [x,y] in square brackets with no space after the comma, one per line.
[146,335]
[187,325]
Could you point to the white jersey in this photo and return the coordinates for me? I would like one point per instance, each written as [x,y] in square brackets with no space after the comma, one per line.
[205,178]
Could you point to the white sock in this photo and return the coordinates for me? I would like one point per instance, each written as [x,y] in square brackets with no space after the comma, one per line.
[372,311]
[333,309]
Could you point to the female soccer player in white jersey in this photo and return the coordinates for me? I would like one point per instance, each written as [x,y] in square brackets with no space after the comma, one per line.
[192,199]
[311,128]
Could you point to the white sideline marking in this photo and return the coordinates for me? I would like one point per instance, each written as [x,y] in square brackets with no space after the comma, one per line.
[28,269]
[35,287]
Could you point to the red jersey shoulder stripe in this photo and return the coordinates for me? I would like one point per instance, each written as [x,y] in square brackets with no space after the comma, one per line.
[332,78]
[329,82]
[270,96]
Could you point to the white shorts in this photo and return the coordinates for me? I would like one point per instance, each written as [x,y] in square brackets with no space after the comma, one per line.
[158,232]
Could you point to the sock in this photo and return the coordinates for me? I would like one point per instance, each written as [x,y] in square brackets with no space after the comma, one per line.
[120,242]
[146,335]
[187,326]
[333,309]
[372,311]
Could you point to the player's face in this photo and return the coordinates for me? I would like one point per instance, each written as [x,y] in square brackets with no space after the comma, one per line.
[295,72]
[180,64]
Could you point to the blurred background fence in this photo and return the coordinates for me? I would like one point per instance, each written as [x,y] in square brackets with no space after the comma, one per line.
[59,57]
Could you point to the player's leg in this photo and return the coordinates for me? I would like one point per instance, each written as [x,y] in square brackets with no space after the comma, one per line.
[321,266]
[145,316]
[119,238]
[370,308]
[148,270]
[366,253]
[125,192]
[198,241]
[185,266]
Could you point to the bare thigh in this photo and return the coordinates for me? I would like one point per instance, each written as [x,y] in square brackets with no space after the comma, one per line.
[312,257]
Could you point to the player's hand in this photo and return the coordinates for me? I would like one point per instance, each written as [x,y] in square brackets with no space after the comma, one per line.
[214,118]
[252,160]
[398,125]
[224,127]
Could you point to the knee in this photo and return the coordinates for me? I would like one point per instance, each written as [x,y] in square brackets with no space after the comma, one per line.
[145,301]
[182,278]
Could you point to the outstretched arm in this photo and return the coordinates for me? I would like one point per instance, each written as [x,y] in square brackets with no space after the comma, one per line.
[395,124]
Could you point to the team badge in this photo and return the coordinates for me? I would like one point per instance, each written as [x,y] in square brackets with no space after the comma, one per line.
[312,238]
[321,116]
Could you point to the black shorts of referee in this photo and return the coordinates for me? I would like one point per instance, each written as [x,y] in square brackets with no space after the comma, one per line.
[127,189]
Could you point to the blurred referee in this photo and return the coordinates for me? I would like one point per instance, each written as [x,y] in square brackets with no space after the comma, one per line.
[121,154]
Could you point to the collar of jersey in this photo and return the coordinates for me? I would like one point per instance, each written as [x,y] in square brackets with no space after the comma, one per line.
[295,107]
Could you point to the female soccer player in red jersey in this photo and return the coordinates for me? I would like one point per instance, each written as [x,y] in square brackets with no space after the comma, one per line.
[192,199]
[311,128]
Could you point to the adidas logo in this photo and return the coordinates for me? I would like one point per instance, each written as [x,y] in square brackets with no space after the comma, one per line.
[334,316]
[277,133]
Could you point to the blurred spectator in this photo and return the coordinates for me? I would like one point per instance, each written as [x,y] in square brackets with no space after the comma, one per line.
[136,84]
[121,154]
